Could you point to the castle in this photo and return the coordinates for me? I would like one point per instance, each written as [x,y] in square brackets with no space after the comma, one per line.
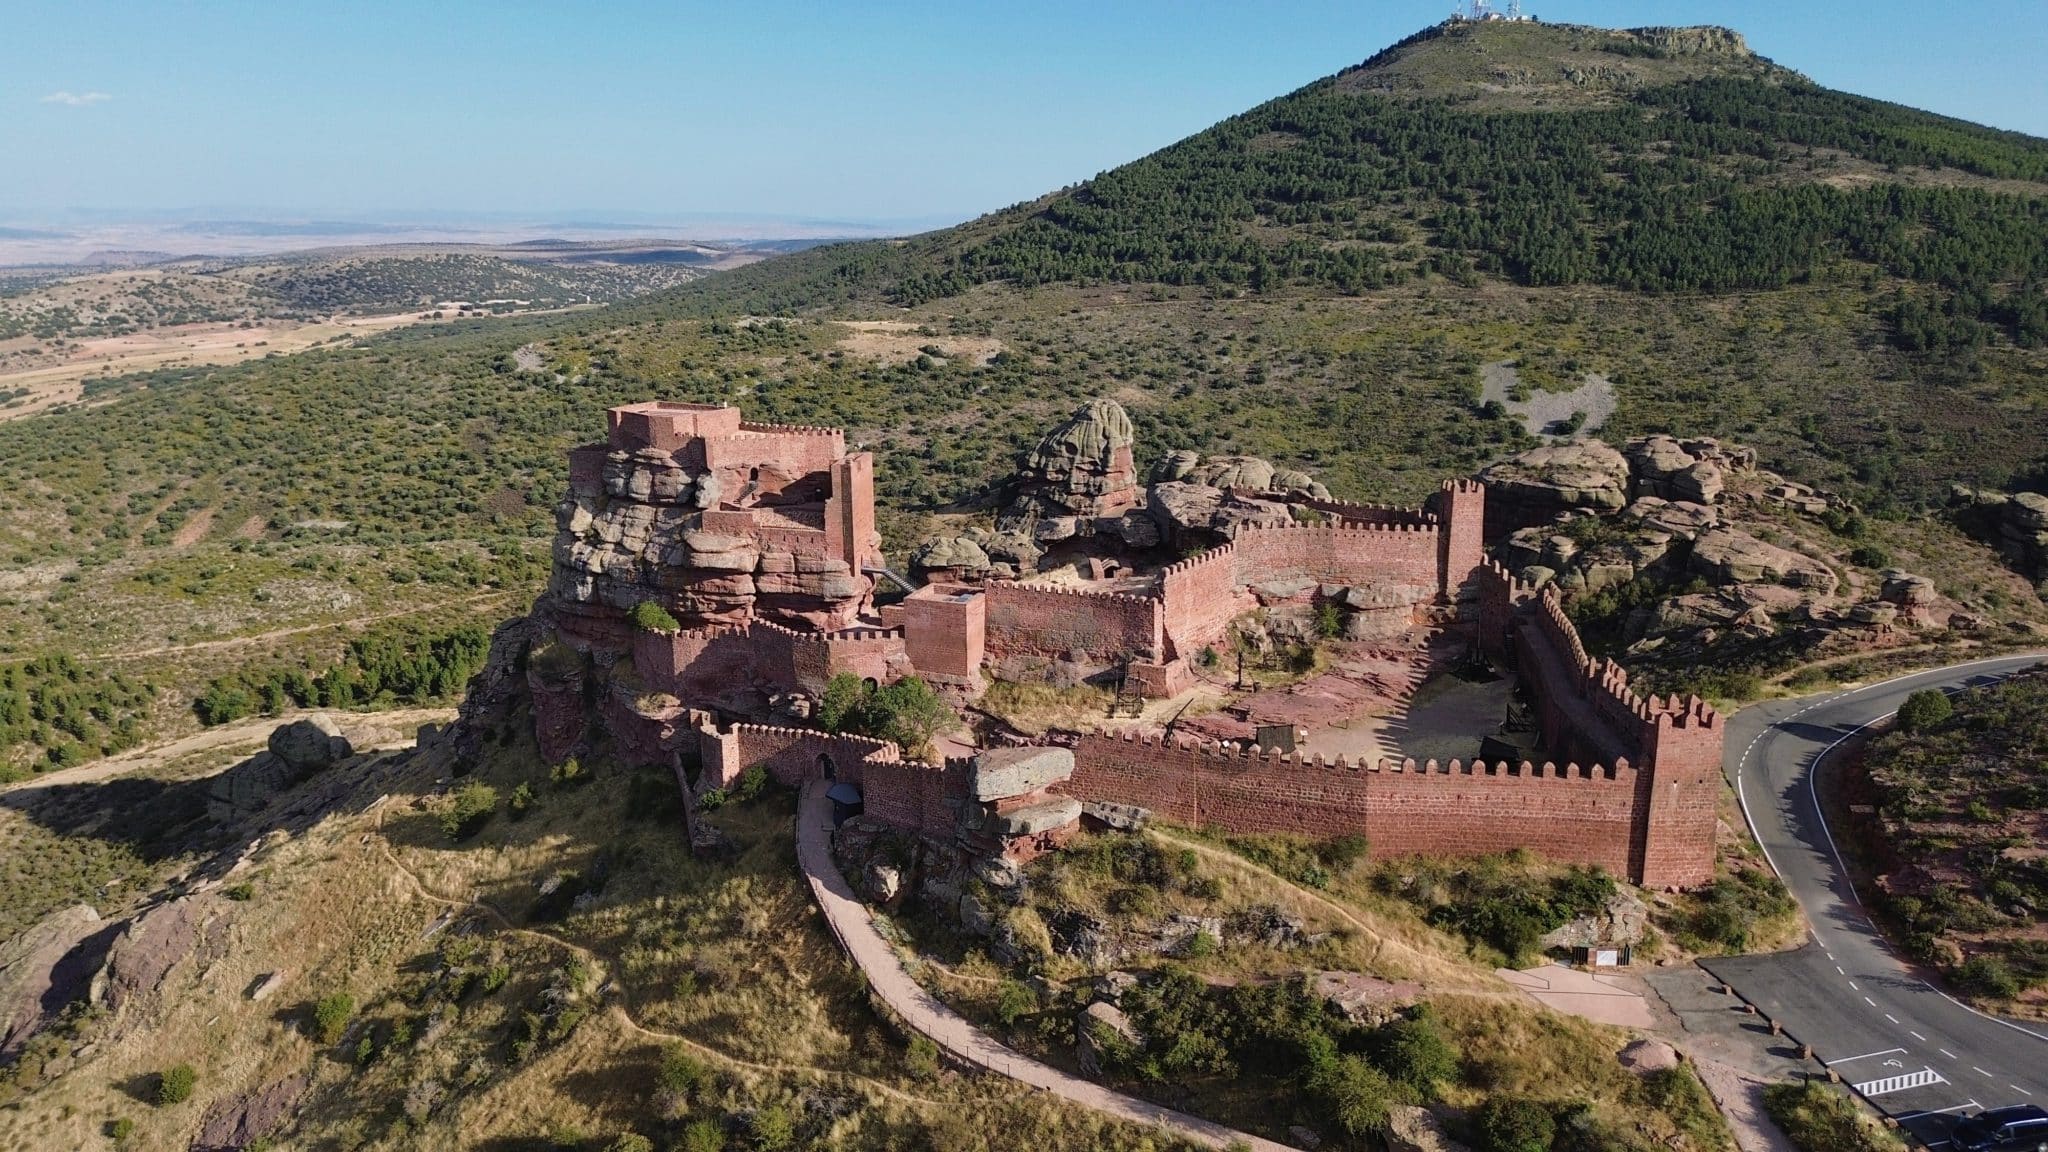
[759,541]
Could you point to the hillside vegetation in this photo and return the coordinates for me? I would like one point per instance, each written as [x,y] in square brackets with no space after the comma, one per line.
[1851,287]
[1961,795]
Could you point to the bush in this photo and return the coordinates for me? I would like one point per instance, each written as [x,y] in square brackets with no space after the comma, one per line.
[121,1129]
[1353,1095]
[1013,1002]
[1924,710]
[331,1016]
[702,1136]
[1416,1053]
[1870,556]
[1515,1124]
[471,809]
[922,1057]
[521,803]
[239,892]
[651,617]
[1988,975]
[681,1077]
[630,1142]
[1823,1119]
[772,1129]
[175,1085]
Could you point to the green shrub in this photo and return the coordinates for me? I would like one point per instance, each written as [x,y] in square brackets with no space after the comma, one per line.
[1924,709]
[772,1129]
[1819,1118]
[331,1015]
[1014,1001]
[175,1084]
[1416,1053]
[682,1075]
[649,616]
[469,811]
[1515,1124]
[702,1136]
[630,1142]
[921,1058]
[242,891]
[1870,556]
[1989,975]
[1353,1096]
[568,773]
[521,803]
[121,1129]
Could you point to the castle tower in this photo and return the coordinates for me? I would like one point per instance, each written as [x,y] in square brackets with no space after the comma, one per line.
[1460,506]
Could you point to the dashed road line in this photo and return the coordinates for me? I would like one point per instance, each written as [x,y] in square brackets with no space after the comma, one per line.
[1946,1052]
[1979,1071]
[1869,1001]
[2020,1090]
[1916,1036]
[1892,1018]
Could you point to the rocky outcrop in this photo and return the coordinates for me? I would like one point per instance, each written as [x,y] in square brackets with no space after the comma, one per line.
[45,969]
[156,942]
[1194,515]
[1005,772]
[1643,1057]
[235,1122]
[1364,1000]
[311,744]
[1534,486]
[640,535]
[1622,920]
[1081,470]
[1411,1128]
[2016,524]
[1730,556]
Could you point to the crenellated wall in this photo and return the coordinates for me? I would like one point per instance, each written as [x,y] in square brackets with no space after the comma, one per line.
[1048,622]
[1200,596]
[1573,814]
[709,664]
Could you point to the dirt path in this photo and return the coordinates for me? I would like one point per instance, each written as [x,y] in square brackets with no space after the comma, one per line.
[262,637]
[924,1013]
[245,732]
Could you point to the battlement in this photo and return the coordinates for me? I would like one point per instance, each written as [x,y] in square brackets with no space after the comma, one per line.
[1070,590]
[1199,560]
[1245,754]
[878,750]
[788,429]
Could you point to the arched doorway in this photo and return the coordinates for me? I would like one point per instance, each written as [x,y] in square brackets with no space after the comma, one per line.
[826,768]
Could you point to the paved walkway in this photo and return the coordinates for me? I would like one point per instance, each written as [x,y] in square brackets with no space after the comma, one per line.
[1606,999]
[958,1038]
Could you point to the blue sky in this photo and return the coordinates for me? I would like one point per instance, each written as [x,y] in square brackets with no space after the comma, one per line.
[916,113]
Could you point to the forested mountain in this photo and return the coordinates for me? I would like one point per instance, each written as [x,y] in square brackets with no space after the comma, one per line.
[1657,160]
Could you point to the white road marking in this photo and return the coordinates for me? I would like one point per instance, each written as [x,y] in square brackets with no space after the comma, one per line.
[1916,1036]
[1869,1001]
[1892,1018]
[1946,1052]
[1839,972]
[2020,1090]
[1979,1071]
[1865,1056]
[1920,1079]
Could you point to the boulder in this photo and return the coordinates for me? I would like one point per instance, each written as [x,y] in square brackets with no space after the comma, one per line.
[999,773]
[1268,925]
[1907,590]
[1683,519]
[1411,1128]
[1534,486]
[1175,465]
[310,744]
[1364,1000]
[1099,1025]
[884,881]
[1083,468]
[1643,1057]
[1116,817]
[976,918]
[1730,556]
[1111,986]
[1038,819]
[46,967]
[1084,938]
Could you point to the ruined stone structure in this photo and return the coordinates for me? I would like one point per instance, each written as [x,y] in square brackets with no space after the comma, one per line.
[759,541]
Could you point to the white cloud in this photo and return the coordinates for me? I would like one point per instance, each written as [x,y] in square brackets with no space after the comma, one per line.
[75,99]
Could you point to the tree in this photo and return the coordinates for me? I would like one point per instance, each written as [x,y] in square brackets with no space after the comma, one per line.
[331,1016]
[1924,710]
[175,1085]
[472,806]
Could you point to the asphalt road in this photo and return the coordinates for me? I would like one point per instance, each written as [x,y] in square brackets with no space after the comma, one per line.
[1906,1046]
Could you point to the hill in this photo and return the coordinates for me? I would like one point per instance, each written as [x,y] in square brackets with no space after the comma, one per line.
[1658,222]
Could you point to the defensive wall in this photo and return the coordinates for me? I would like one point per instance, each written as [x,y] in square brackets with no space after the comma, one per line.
[1580,815]
[709,663]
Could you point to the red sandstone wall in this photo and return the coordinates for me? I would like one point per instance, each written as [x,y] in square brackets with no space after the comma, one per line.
[1461,507]
[1397,554]
[945,632]
[1026,621]
[1200,598]
[1585,818]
